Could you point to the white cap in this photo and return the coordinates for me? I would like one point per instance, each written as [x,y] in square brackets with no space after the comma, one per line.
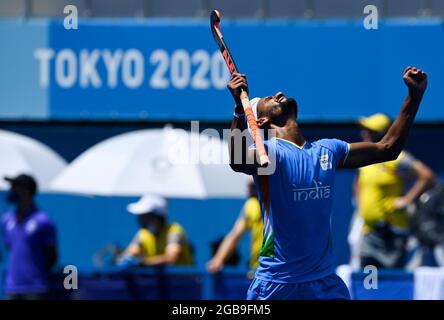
[254,103]
[149,203]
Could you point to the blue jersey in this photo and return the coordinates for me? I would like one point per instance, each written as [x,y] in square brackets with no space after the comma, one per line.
[28,242]
[296,203]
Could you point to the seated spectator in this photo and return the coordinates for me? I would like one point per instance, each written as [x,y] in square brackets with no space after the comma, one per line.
[157,242]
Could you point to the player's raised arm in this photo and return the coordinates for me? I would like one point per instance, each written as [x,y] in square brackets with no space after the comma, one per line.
[388,148]
[241,159]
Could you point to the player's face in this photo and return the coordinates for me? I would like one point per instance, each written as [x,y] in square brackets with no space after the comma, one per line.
[369,136]
[275,100]
[251,189]
[278,108]
[145,220]
[151,221]
[18,193]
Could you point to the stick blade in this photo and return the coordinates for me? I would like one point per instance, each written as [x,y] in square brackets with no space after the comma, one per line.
[214,24]
[215,17]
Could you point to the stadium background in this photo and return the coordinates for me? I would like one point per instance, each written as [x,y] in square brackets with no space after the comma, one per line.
[316,50]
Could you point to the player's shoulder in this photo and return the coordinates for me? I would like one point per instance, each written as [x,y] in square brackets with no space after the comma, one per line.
[7,216]
[251,201]
[143,236]
[42,217]
[405,159]
[330,143]
[267,143]
[175,227]
[252,207]
[405,155]
[277,144]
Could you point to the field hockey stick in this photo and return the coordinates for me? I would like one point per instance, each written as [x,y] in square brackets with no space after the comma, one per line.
[251,119]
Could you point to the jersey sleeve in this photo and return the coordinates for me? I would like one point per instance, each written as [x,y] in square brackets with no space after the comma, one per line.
[339,148]
[137,239]
[175,235]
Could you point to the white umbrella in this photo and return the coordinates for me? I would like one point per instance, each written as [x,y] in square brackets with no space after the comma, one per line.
[21,154]
[169,162]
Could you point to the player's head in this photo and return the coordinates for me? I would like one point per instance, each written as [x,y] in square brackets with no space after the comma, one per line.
[22,189]
[151,211]
[276,110]
[374,127]
[152,222]
[251,187]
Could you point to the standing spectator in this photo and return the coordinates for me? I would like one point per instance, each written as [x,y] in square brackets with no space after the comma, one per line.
[382,195]
[249,219]
[30,238]
[157,242]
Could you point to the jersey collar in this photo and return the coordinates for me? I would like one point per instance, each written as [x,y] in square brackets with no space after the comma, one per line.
[294,144]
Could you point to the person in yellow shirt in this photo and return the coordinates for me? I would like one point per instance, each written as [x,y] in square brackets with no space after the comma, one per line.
[250,219]
[157,242]
[383,191]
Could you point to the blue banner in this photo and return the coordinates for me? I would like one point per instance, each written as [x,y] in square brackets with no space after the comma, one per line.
[172,70]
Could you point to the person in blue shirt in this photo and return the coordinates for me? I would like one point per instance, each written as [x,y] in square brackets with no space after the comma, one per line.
[30,237]
[296,190]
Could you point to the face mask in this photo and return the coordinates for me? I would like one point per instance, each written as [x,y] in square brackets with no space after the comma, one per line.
[12,197]
[153,229]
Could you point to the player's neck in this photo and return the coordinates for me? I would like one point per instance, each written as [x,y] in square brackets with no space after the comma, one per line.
[291,132]
[23,209]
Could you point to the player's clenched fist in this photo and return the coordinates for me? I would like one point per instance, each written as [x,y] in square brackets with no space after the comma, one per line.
[236,84]
[415,79]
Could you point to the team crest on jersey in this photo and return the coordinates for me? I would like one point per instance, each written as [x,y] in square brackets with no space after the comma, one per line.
[325,163]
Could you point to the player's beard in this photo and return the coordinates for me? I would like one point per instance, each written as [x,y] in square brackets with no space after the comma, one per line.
[289,107]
